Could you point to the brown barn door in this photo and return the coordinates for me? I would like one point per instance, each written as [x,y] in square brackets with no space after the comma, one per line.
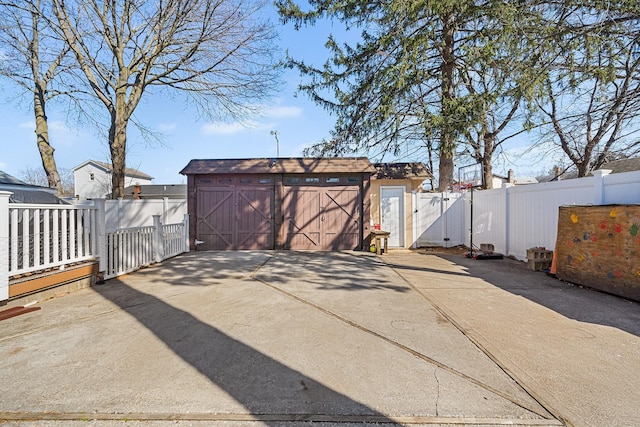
[301,208]
[340,219]
[254,222]
[234,218]
[321,218]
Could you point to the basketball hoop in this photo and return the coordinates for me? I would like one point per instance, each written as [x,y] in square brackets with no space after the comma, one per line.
[470,177]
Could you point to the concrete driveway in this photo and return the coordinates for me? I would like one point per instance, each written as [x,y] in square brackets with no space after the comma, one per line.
[291,338]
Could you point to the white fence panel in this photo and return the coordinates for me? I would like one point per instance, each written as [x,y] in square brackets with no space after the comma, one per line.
[622,188]
[437,219]
[489,217]
[514,219]
[128,250]
[173,238]
[533,212]
[129,213]
[48,236]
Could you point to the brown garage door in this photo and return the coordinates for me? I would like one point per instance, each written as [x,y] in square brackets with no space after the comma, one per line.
[324,218]
[235,217]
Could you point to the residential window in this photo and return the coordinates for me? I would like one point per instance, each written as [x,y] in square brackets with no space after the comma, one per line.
[92,177]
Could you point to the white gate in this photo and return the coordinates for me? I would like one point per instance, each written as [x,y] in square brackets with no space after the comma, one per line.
[438,219]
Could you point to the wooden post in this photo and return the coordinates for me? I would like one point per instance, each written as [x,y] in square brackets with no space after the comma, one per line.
[4,244]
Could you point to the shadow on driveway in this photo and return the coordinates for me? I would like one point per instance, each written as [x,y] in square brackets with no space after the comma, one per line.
[269,390]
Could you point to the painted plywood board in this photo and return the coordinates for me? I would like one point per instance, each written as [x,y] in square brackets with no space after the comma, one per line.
[599,247]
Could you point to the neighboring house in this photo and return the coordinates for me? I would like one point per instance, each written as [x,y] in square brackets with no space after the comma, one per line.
[27,193]
[169,191]
[92,179]
[391,204]
[510,179]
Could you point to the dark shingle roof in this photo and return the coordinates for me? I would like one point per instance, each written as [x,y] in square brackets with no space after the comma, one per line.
[280,165]
[401,170]
[624,165]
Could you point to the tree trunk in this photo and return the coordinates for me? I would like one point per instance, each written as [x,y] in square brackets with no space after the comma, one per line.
[447,133]
[487,168]
[42,139]
[117,147]
[487,171]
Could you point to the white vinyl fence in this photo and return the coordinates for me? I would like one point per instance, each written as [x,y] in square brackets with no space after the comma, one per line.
[437,219]
[35,238]
[514,219]
[128,213]
[128,249]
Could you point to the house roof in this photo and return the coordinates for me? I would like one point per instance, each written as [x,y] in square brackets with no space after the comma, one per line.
[7,179]
[401,171]
[158,191]
[27,193]
[134,173]
[624,165]
[279,165]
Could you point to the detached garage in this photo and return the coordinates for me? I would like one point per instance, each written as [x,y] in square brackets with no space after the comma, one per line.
[300,203]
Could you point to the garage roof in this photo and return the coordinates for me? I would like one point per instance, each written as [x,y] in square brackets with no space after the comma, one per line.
[280,165]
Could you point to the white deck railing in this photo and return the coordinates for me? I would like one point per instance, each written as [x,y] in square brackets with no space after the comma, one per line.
[48,236]
[35,238]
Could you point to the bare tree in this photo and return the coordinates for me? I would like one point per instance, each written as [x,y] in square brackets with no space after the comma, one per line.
[36,176]
[218,52]
[34,58]
[591,102]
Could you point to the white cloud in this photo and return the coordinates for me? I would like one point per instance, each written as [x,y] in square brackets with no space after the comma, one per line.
[167,127]
[220,128]
[27,125]
[58,126]
[283,112]
[54,125]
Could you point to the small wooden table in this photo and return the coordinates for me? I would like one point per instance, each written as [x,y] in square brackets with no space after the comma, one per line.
[378,236]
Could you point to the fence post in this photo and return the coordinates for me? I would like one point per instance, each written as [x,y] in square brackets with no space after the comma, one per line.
[185,231]
[4,244]
[101,230]
[165,210]
[598,187]
[158,243]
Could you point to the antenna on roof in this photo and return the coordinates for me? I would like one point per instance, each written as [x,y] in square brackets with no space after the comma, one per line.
[275,134]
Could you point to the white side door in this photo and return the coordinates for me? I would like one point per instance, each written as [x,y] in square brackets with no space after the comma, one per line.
[392,214]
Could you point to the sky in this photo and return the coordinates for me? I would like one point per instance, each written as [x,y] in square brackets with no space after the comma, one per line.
[184,136]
